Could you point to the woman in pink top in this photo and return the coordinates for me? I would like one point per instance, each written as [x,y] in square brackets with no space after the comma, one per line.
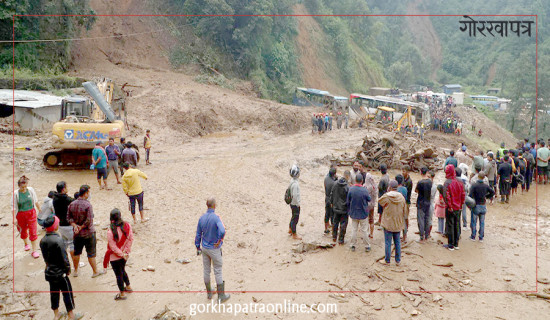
[119,238]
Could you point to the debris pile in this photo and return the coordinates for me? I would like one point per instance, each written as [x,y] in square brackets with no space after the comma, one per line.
[395,151]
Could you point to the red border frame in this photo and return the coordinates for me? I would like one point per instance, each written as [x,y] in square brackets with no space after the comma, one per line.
[292,15]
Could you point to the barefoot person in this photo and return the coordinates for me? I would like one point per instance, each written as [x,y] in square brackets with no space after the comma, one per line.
[393,220]
[119,245]
[24,203]
[113,153]
[132,188]
[81,216]
[57,269]
[209,237]
[295,202]
[99,161]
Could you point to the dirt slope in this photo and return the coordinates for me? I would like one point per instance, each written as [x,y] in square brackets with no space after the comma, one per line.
[317,57]
[425,34]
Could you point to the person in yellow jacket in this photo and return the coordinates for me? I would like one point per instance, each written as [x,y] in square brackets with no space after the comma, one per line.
[147,146]
[132,188]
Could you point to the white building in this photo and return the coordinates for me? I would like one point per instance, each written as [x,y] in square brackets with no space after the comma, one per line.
[33,110]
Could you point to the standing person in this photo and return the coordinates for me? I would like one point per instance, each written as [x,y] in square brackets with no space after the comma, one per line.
[131,185]
[383,185]
[129,155]
[339,120]
[295,202]
[147,146]
[393,221]
[61,202]
[81,216]
[478,164]
[320,123]
[46,209]
[346,120]
[479,192]
[408,183]
[439,211]
[23,205]
[57,269]
[119,245]
[505,179]
[357,203]
[338,198]
[543,155]
[454,196]
[491,171]
[529,169]
[209,241]
[355,171]
[463,178]
[113,153]
[329,182]
[451,160]
[313,123]
[403,191]
[99,161]
[372,188]
[121,147]
[424,218]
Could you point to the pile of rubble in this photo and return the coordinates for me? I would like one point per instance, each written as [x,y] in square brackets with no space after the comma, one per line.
[395,151]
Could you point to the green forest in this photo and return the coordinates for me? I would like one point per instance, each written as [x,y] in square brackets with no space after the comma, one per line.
[368,51]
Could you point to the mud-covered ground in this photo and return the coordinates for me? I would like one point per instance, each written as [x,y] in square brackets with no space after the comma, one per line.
[247,171]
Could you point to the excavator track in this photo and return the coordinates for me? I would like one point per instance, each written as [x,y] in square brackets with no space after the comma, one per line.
[68,159]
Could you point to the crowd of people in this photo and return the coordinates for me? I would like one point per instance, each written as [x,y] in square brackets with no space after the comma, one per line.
[322,122]
[471,180]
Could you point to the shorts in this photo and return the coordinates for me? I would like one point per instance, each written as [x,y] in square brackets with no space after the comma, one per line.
[542,171]
[67,234]
[114,164]
[102,173]
[27,225]
[88,242]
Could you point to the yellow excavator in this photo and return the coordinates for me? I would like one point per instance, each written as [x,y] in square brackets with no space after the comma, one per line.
[84,123]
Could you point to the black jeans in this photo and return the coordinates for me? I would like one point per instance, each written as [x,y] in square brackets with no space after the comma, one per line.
[295,218]
[340,220]
[61,285]
[452,225]
[119,267]
[329,214]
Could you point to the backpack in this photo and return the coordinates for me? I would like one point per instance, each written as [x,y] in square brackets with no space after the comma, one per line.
[288,195]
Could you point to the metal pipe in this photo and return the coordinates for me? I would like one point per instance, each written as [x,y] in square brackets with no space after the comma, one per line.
[93,90]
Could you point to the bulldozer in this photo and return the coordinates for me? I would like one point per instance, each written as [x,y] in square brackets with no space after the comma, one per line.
[83,123]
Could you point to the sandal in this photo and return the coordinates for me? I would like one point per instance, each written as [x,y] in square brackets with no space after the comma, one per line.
[99,274]
[119,297]
[78,316]
[35,254]
[27,247]
[129,290]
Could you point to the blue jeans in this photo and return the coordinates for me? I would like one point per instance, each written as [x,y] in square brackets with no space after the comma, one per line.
[388,236]
[478,212]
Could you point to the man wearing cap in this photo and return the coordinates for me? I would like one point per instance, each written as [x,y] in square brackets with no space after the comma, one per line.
[480,191]
[57,268]
[393,220]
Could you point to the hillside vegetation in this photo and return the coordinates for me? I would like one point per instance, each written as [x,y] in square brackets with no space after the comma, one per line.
[341,54]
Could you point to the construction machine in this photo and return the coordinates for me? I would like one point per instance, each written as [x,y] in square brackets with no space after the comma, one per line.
[83,124]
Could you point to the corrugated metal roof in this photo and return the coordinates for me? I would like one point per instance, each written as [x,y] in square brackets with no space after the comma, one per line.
[28,99]
[452,86]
